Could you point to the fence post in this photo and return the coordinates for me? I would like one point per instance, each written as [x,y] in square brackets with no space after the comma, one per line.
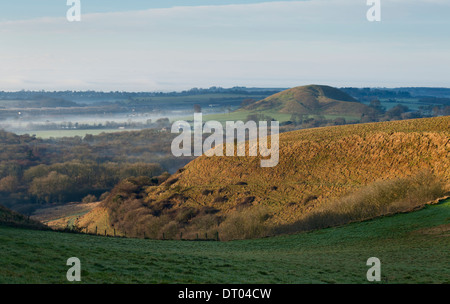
[217,236]
[181,235]
[164,236]
[95,230]
[114,232]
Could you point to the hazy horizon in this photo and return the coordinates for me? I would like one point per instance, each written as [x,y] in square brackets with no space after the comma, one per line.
[225,88]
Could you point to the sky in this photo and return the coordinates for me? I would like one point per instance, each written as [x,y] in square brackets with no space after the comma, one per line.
[175,45]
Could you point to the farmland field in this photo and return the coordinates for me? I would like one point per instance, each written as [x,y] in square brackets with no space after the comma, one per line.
[412,247]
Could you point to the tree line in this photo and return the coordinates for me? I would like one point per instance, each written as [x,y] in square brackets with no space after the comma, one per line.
[36,172]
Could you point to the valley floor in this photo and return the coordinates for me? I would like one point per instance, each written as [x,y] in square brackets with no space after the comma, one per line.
[413,248]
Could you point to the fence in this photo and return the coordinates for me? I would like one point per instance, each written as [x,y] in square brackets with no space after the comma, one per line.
[85,230]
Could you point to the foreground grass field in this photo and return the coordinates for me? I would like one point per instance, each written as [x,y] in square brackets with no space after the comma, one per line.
[413,248]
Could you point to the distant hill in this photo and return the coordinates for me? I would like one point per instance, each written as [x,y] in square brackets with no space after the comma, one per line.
[310,100]
[325,176]
[14,219]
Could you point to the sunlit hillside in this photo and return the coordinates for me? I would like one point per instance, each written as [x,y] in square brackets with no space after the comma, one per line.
[325,176]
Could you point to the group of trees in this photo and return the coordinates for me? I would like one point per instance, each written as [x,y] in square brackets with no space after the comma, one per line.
[34,171]
[377,112]
[101,96]
[368,94]
[159,123]
[71,181]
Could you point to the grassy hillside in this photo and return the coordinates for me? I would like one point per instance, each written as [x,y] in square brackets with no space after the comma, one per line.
[14,219]
[412,248]
[310,100]
[325,176]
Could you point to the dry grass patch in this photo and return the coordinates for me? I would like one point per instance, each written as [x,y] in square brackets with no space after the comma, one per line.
[377,199]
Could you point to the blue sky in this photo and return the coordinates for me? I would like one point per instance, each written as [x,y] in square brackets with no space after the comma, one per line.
[174,45]
[25,9]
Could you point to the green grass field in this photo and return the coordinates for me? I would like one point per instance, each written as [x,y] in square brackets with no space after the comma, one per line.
[413,248]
